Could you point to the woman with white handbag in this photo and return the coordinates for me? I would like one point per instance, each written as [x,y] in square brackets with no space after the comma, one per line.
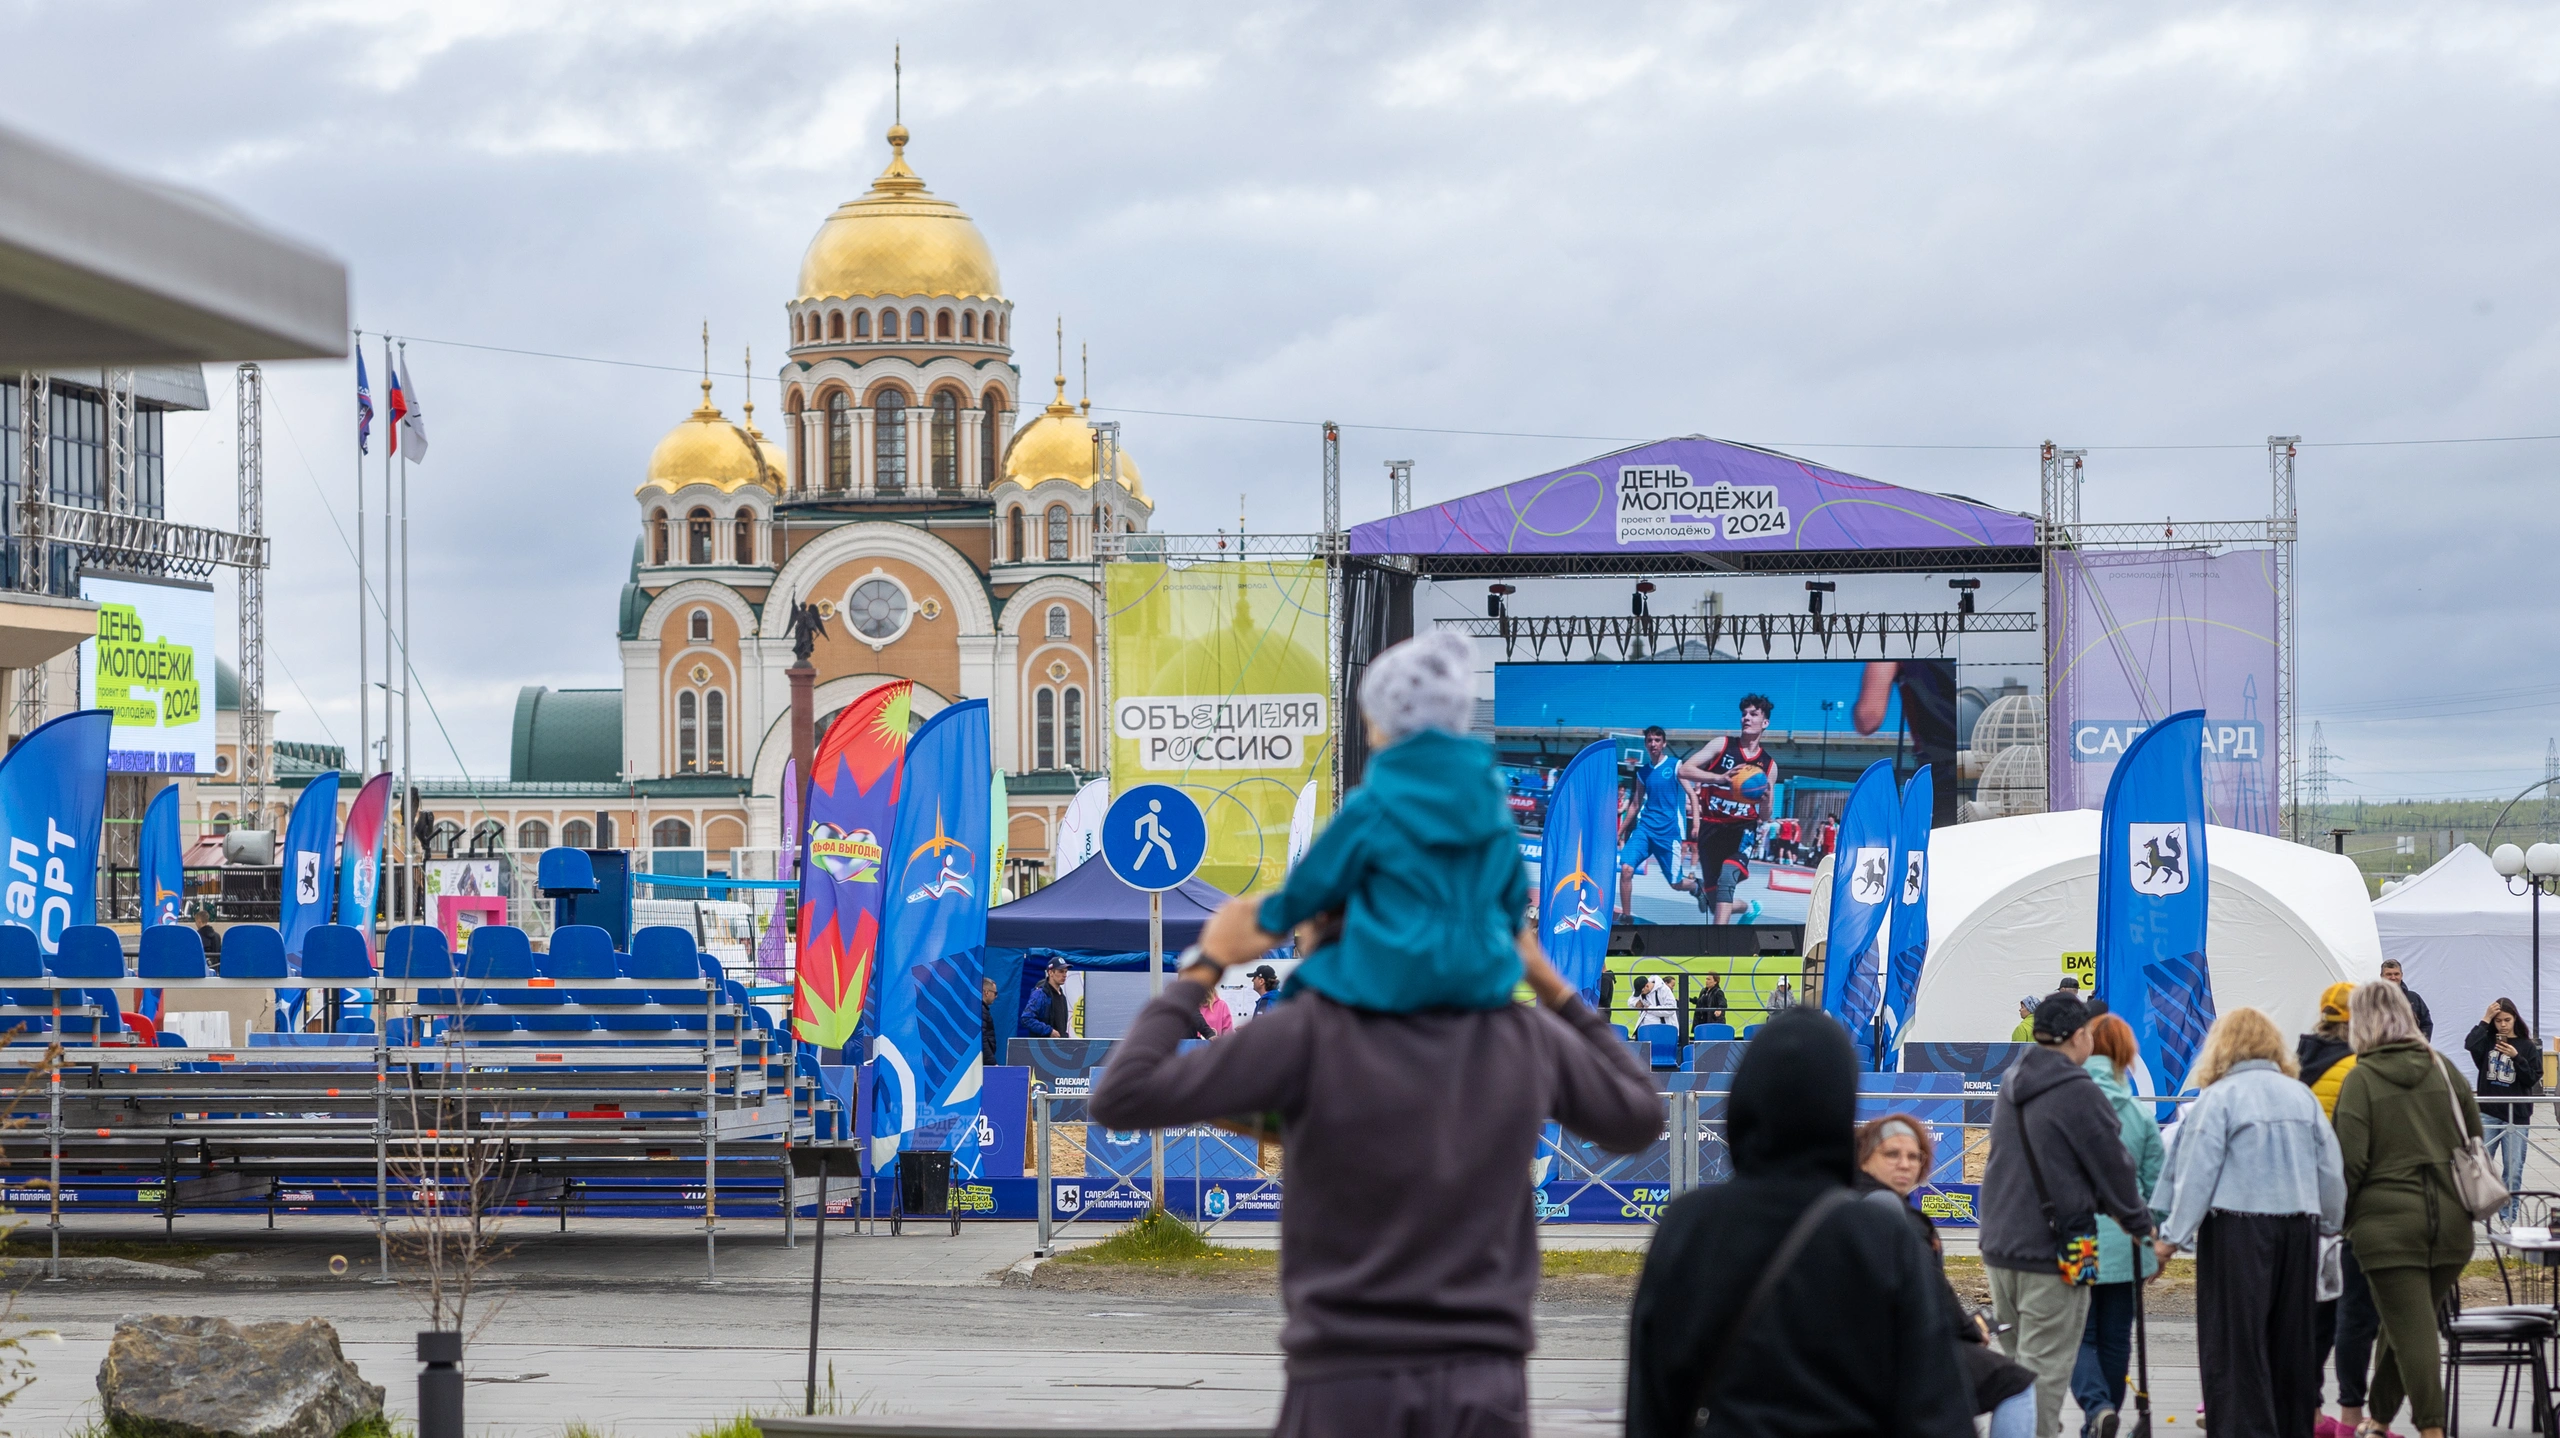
[2409,1133]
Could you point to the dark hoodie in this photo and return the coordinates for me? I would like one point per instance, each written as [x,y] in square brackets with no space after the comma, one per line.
[1854,1339]
[1423,861]
[2079,1149]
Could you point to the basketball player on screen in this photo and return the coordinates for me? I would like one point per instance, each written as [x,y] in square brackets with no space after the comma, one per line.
[1662,811]
[1726,813]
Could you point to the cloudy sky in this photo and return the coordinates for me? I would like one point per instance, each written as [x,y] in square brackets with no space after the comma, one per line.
[1908,240]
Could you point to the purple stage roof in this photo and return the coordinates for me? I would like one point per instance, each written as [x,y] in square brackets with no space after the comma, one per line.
[1694,494]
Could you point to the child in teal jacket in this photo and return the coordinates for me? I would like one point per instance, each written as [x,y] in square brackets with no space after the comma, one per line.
[1422,863]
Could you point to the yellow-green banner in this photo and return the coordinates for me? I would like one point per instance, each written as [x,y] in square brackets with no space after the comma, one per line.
[1218,687]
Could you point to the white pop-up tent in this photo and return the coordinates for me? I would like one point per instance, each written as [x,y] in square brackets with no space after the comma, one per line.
[2009,897]
[2462,940]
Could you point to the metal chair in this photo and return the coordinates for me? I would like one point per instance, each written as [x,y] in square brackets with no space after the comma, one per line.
[2510,1339]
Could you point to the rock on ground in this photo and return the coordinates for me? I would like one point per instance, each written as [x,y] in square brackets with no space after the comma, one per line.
[167,1376]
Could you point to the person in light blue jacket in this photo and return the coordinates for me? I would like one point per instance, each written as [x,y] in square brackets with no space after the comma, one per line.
[2106,1344]
[2254,1178]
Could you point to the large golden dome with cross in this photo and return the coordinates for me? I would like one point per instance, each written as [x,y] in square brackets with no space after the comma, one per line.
[899,240]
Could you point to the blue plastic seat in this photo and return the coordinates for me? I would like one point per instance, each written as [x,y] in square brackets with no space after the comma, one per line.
[171,951]
[336,951]
[416,951]
[1750,1029]
[498,951]
[663,951]
[253,951]
[1704,1032]
[88,951]
[490,1023]
[1665,1041]
[580,951]
[169,1040]
[355,1026]
[21,957]
[1621,1031]
[555,1023]
[565,871]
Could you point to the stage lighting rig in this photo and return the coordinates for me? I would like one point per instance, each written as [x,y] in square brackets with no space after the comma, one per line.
[1814,589]
[1493,594]
[1964,589]
[1641,605]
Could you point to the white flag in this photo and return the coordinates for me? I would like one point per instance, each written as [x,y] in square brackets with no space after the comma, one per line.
[413,425]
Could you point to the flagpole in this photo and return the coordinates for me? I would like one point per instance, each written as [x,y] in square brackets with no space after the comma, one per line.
[398,902]
[364,636]
[408,673]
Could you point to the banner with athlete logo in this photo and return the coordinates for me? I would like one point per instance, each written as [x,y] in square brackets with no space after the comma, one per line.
[853,795]
[1578,867]
[2154,887]
[161,859]
[935,877]
[1219,688]
[1863,880]
[1907,927]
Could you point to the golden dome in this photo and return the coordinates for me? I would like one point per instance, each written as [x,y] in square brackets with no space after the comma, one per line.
[708,449]
[1058,444]
[899,240]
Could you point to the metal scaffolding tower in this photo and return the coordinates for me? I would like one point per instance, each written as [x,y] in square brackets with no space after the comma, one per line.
[35,494]
[2280,534]
[1399,485]
[253,601]
[119,390]
[1332,541]
[2550,789]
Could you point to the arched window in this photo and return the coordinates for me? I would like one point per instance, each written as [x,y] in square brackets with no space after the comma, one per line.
[671,834]
[489,836]
[1059,527]
[942,324]
[688,732]
[697,537]
[888,324]
[795,329]
[1013,549]
[968,324]
[742,537]
[577,834]
[990,442]
[839,441]
[1044,729]
[889,442]
[1008,328]
[915,324]
[946,438]
[1074,741]
[658,537]
[715,732]
[222,823]
[835,325]
[533,834]
[1057,621]
[861,324]
[698,628]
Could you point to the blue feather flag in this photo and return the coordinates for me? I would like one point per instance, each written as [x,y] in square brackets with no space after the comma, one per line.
[1577,865]
[2154,884]
[1862,885]
[925,1062]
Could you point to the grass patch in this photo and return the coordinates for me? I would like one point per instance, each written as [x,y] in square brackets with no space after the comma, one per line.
[1163,1243]
[21,1244]
[741,1426]
[1591,1262]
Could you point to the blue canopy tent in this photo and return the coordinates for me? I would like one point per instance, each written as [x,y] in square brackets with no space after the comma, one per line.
[1093,921]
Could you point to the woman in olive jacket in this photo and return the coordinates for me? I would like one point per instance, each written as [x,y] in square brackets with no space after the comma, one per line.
[2397,1130]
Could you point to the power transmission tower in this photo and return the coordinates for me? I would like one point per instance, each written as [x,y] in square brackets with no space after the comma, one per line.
[2281,531]
[253,601]
[1399,485]
[2551,789]
[2316,784]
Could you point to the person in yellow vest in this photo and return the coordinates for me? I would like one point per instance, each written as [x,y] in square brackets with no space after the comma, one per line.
[2346,1324]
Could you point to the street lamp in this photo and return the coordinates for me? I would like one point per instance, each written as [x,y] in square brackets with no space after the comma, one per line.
[2539,867]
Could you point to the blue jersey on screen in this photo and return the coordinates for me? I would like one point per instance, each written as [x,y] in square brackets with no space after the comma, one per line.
[1666,801]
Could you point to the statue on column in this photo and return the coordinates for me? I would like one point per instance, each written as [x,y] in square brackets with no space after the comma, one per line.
[806,625]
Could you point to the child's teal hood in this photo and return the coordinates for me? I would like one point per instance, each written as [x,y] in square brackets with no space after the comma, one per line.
[1438,790]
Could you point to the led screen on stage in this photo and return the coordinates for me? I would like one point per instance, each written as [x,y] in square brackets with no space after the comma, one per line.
[1725,814]
[152,664]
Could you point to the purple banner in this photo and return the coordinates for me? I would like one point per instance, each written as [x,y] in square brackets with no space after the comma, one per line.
[1686,495]
[2137,636]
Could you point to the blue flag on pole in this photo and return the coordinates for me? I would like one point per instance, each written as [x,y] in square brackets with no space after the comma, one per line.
[1862,884]
[1909,928]
[1578,867]
[309,880]
[164,884]
[53,805]
[926,1062]
[2153,887]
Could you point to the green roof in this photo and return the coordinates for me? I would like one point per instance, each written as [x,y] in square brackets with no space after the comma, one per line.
[297,760]
[571,734]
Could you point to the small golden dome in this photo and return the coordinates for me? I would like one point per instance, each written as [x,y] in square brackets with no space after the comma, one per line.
[899,240]
[708,449]
[1058,444]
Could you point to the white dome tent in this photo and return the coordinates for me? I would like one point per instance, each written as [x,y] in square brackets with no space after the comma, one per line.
[2462,939]
[2009,897]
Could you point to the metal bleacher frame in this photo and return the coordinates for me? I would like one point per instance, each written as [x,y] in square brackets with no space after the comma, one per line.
[355,1116]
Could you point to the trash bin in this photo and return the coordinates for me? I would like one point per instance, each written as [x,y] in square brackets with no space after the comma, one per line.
[924,1187]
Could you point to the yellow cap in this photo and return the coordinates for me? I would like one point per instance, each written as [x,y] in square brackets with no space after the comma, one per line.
[2333,1003]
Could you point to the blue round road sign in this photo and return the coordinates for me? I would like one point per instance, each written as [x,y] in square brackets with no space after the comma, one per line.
[1153,837]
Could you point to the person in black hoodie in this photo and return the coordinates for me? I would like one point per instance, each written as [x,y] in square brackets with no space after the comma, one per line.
[2050,1105]
[2508,1062]
[1853,1336]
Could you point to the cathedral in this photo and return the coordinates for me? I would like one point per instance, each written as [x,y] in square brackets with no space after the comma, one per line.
[945,539]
